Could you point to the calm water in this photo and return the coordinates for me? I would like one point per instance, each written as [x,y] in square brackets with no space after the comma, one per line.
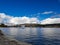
[35,36]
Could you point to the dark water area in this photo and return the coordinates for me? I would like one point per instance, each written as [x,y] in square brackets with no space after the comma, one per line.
[35,35]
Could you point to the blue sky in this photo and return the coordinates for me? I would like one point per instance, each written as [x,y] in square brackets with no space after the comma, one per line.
[30,8]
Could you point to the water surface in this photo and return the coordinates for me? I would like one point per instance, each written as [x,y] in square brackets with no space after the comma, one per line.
[35,35]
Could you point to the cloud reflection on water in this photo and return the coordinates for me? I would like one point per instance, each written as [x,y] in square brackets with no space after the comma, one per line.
[51,33]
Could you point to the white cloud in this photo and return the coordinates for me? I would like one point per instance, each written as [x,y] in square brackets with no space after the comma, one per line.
[48,12]
[34,20]
[16,20]
[22,20]
[10,20]
[19,20]
[4,18]
[50,21]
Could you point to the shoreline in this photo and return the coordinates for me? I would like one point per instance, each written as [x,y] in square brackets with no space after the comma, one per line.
[34,26]
[7,41]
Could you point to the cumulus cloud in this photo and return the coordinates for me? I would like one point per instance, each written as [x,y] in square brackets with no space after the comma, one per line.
[22,20]
[16,20]
[50,21]
[48,12]
[4,18]
[10,20]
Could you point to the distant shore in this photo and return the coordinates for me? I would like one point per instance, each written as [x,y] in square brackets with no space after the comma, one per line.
[32,25]
[6,41]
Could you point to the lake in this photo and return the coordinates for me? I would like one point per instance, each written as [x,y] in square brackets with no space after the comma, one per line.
[34,35]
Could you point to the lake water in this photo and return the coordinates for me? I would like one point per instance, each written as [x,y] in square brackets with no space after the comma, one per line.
[35,35]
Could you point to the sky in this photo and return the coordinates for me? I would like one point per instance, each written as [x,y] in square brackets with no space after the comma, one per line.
[36,9]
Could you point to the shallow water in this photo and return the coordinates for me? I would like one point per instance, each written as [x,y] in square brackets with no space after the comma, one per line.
[35,35]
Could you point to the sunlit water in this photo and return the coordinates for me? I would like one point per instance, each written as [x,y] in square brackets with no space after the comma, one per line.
[35,36]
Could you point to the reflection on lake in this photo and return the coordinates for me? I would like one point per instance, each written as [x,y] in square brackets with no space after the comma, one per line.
[35,36]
